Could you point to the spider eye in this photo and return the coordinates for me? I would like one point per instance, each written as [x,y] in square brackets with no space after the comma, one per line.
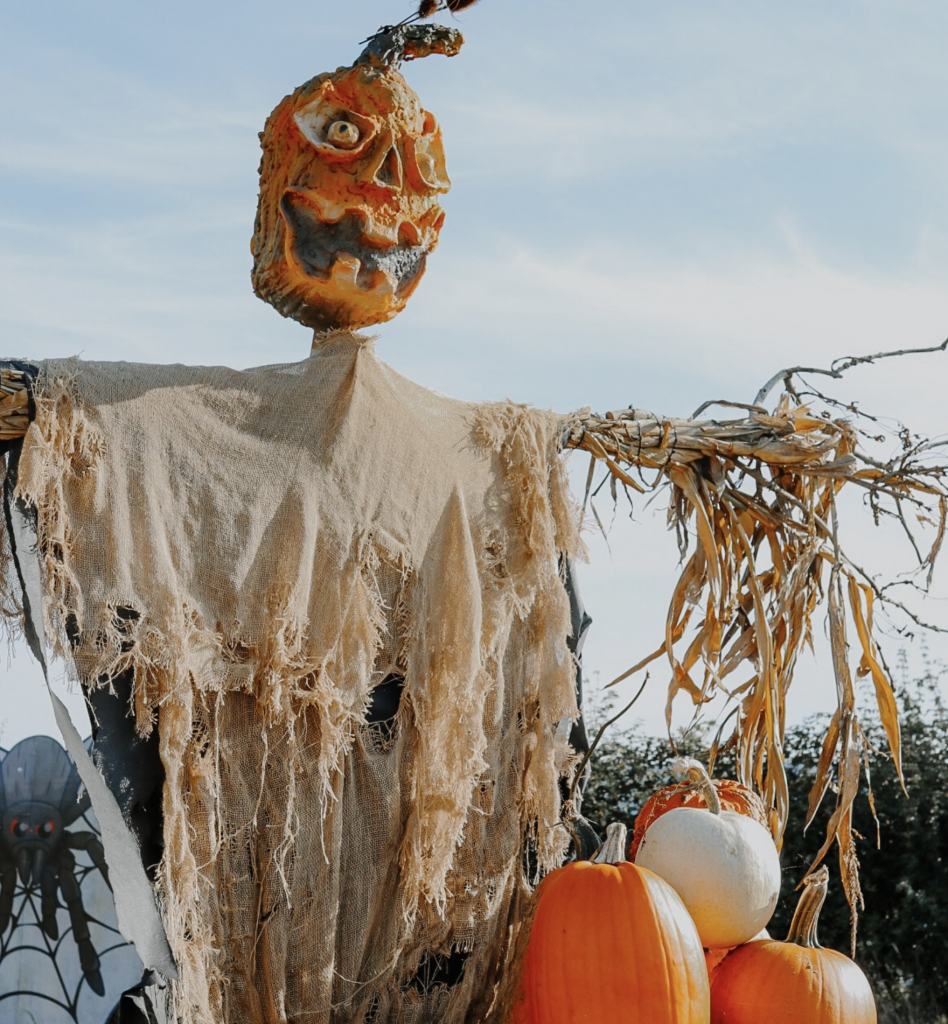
[45,830]
[20,829]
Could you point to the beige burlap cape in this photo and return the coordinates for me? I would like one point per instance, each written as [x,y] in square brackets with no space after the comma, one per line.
[264,547]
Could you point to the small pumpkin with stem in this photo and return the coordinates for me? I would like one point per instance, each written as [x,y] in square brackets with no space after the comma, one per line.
[792,982]
[611,942]
[732,795]
[723,865]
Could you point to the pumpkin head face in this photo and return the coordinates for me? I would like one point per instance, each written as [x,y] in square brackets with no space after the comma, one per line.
[352,172]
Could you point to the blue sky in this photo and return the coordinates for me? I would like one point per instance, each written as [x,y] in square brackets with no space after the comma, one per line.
[653,204]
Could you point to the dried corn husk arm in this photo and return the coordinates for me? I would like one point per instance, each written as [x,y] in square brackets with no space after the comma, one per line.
[14,404]
[753,499]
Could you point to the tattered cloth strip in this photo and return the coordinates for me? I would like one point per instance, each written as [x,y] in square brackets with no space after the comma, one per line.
[754,501]
[263,548]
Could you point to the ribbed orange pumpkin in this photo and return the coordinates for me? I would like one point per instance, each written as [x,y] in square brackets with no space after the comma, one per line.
[611,942]
[733,796]
[792,982]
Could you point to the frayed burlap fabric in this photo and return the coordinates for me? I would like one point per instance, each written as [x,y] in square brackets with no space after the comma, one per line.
[264,547]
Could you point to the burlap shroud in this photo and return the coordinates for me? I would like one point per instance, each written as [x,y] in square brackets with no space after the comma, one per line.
[264,547]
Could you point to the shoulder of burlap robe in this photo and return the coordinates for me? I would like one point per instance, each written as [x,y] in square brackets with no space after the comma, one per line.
[263,547]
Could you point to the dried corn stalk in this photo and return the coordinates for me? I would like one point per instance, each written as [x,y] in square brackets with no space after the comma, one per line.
[754,503]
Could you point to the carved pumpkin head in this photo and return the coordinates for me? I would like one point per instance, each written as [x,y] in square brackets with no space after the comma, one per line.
[352,171]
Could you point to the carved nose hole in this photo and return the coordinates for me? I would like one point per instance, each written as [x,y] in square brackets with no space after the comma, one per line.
[389,173]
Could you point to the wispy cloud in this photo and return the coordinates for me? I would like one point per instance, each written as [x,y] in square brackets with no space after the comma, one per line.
[686,323]
[87,121]
[698,82]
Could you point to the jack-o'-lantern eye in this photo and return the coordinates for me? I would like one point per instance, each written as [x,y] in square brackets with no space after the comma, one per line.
[343,135]
[45,830]
[20,829]
[335,132]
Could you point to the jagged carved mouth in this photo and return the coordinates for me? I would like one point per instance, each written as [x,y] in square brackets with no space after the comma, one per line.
[318,245]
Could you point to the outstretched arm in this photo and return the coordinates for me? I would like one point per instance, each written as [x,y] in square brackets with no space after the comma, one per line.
[15,406]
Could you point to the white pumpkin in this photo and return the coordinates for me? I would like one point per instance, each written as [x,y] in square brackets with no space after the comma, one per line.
[723,865]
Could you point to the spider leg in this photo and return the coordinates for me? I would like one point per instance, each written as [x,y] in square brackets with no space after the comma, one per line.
[89,843]
[88,958]
[49,903]
[7,889]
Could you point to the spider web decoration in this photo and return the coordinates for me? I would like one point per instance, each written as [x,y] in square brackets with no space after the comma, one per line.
[41,974]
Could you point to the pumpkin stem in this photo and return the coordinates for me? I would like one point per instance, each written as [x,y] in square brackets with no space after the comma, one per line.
[806,916]
[613,849]
[700,779]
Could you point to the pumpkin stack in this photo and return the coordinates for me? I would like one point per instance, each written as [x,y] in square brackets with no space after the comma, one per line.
[614,941]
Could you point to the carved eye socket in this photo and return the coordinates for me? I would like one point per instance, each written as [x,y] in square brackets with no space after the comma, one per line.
[20,829]
[45,830]
[334,131]
[343,135]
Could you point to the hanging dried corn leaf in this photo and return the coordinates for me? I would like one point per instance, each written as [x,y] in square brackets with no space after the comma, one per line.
[753,501]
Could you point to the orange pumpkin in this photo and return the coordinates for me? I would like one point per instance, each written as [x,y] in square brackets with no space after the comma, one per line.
[792,982]
[733,797]
[611,942]
[713,957]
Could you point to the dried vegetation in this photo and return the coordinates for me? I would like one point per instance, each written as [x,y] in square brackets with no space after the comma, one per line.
[755,503]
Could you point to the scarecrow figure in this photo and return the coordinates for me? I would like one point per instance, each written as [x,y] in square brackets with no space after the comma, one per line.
[339,608]
[334,603]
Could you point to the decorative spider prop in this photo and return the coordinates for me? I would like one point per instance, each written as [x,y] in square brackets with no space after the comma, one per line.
[39,799]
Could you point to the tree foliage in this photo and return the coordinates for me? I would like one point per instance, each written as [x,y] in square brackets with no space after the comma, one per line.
[902,941]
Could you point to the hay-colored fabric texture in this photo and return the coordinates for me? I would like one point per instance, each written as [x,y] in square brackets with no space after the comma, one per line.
[264,547]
